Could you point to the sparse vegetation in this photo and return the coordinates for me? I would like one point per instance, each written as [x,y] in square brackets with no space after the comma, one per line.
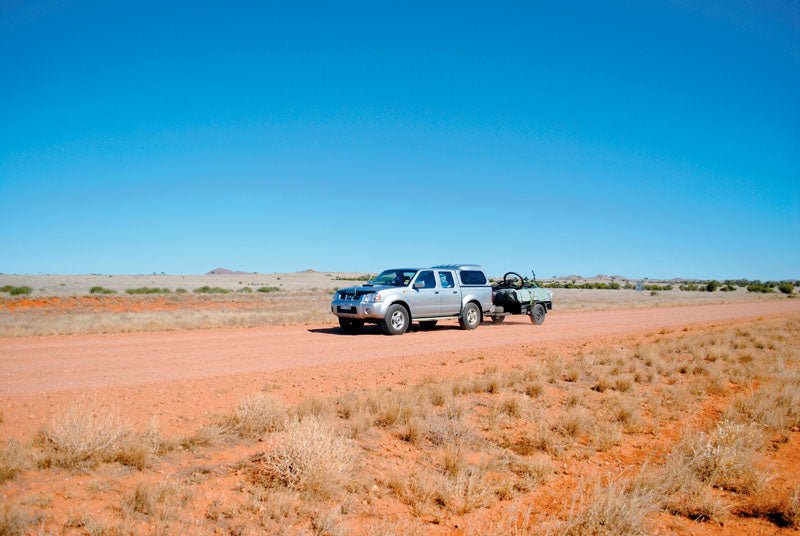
[458,449]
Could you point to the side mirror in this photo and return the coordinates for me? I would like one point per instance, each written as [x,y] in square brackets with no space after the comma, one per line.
[419,284]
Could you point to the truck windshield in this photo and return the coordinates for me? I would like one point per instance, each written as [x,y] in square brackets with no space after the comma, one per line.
[394,278]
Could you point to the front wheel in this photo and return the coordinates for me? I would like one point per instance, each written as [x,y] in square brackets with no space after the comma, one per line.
[396,320]
[470,316]
[351,325]
[537,314]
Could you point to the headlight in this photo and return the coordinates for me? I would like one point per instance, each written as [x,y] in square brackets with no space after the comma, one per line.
[371,298]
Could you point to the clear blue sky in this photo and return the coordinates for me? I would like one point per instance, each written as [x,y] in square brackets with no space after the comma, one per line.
[648,139]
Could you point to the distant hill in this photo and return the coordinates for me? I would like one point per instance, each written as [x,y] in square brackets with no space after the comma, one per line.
[223,271]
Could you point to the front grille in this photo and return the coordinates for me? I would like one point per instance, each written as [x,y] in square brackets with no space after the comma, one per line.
[351,295]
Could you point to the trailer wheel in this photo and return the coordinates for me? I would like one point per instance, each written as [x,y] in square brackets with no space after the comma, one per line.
[498,319]
[427,324]
[537,314]
[470,316]
[396,320]
[351,325]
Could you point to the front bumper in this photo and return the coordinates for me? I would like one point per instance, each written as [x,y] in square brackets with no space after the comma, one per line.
[358,309]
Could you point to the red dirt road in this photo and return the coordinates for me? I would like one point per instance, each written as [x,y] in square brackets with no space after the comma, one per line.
[39,365]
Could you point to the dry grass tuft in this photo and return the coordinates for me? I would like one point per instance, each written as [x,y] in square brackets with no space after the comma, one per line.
[726,457]
[255,416]
[81,437]
[13,522]
[310,457]
[611,510]
[13,459]
[162,500]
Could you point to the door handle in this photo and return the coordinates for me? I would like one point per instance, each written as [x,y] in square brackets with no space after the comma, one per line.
[455,292]
[437,292]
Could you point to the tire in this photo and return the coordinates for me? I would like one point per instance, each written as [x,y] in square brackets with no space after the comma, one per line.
[396,320]
[537,314]
[498,319]
[427,324]
[351,325]
[470,316]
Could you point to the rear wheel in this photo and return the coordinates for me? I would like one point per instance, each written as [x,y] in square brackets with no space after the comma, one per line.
[498,319]
[396,320]
[537,314]
[470,316]
[351,325]
[427,324]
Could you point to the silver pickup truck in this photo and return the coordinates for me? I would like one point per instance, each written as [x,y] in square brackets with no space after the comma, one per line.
[399,296]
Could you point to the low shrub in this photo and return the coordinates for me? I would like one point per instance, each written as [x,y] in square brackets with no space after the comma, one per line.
[268,289]
[245,290]
[101,290]
[712,285]
[211,290]
[787,287]
[17,291]
[147,290]
[759,287]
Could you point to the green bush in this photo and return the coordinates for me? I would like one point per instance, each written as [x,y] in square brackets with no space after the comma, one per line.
[689,287]
[268,289]
[6,288]
[787,287]
[712,285]
[101,290]
[727,288]
[658,287]
[759,287]
[180,290]
[245,290]
[147,290]
[20,291]
[211,290]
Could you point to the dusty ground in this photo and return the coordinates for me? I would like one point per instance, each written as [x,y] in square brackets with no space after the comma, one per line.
[61,305]
[184,378]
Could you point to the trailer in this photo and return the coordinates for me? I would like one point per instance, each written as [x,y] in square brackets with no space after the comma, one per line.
[516,295]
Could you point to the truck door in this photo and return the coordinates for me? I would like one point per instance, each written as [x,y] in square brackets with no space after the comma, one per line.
[451,294]
[424,297]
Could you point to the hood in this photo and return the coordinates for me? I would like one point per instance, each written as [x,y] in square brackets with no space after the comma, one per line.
[365,289]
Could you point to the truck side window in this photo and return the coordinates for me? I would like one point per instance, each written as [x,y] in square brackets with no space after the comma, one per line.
[446,278]
[427,277]
[472,277]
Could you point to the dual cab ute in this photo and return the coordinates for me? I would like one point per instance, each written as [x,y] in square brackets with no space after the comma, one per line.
[399,296]
[425,295]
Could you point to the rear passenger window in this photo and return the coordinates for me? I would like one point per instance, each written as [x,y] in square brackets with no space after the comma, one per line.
[446,279]
[472,277]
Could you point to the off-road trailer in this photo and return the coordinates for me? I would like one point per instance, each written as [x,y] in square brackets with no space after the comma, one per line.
[515,295]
